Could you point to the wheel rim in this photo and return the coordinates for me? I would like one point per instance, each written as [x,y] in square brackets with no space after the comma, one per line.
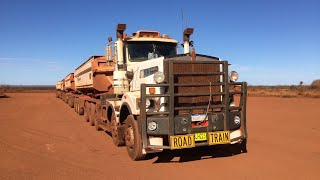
[129,137]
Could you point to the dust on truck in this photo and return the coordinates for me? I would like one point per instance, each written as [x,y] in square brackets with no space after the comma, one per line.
[150,98]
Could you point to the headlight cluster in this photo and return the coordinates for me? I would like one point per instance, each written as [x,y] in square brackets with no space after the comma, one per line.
[236,120]
[234,76]
[152,126]
[148,103]
[158,77]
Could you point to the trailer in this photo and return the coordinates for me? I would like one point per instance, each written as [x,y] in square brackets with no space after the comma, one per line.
[59,89]
[150,98]
[67,89]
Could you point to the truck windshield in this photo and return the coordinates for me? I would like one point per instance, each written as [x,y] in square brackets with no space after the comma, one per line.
[140,51]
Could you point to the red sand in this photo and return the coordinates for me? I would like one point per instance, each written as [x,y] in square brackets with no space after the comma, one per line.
[41,137]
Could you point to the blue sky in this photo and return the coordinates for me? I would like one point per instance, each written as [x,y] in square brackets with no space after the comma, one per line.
[269,42]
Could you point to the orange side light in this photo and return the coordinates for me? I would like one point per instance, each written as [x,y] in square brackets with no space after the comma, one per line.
[237,88]
[152,90]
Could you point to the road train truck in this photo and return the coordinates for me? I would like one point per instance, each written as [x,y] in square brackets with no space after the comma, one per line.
[150,98]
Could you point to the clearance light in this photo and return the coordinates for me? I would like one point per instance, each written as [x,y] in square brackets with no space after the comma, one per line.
[152,90]
[237,88]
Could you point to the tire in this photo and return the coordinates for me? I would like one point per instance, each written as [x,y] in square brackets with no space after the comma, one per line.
[70,103]
[118,141]
[76,105]
[86,111]
[92,118]
[96,122]
[80,110]
[133,139]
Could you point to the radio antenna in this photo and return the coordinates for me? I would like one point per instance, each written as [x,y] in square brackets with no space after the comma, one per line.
[182,19]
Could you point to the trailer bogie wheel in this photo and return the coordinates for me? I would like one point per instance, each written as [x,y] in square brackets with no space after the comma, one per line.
[117,140]
[92,118]
[89,112]
[70,102]
[86,111]
[77,110]
[80,110]
[96,122]
[133,139]
[75,104]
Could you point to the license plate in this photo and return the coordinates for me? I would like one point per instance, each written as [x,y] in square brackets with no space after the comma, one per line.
[199,117]
[183,141]
[219,137]
[200,136]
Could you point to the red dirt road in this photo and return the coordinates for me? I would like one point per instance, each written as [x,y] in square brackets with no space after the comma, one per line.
[42,138]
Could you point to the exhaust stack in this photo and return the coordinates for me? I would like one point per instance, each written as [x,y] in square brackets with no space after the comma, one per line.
[120,29]
[120,80]
[186,38]
[109,54]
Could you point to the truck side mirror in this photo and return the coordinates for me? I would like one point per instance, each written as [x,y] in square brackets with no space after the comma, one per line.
[129,75]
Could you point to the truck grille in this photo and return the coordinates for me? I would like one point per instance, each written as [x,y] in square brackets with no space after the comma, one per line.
[181,76]
[195,82]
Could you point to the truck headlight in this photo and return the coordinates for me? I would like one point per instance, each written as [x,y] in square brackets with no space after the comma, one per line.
[234,76]
[152,126]
[148,103]
[158,77]
[236,120]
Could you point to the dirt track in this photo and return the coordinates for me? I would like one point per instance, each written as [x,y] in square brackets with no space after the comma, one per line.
[42,138]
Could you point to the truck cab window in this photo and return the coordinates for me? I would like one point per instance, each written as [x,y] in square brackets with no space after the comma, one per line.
[141,51]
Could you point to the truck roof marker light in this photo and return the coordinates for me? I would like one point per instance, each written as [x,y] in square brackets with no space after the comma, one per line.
[152,90]
[166,36]
[145,33]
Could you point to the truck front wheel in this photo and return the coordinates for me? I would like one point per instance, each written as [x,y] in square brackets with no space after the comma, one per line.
[133,139]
